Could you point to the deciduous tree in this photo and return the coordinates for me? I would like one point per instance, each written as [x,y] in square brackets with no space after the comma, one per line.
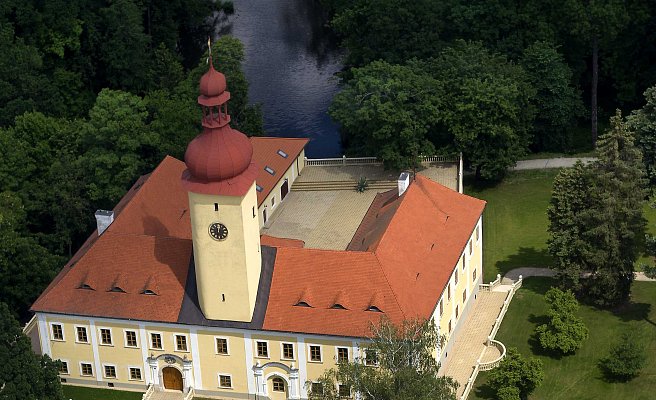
[565,332]
[516,377]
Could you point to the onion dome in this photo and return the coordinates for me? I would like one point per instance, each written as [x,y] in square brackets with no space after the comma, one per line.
[218,156]
[212,83]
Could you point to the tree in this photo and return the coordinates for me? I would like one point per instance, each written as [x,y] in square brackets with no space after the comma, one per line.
[387,111]
[570,197]
[516,377]
[642,123]
[565,332]
[614,224]
[558,102]
[406,367]
[388,30]
[24,375]
[486,109]
[626,359]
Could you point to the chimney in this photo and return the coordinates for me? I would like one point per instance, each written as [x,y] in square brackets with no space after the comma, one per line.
[104,219]
[404,181]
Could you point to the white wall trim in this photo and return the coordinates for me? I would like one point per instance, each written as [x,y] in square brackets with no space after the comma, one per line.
[248,354]
[94,345]
[44,334]
[195,358]
[145,373]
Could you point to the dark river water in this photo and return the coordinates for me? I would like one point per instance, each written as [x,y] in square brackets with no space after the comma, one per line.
[291,59]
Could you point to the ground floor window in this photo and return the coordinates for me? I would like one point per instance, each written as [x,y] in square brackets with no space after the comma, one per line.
[135,374]
[63,367]
[278,385]
[225,381]
[86,369]
[344,391]
[110,371]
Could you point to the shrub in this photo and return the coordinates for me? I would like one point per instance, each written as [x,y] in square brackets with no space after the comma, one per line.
[625,360]
[564,332]
[362,185]
[516,377]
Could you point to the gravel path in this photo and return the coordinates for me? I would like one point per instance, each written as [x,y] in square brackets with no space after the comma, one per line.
[543,163]
[526,272]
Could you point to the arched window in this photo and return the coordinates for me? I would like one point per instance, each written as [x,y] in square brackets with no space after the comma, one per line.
[278,385]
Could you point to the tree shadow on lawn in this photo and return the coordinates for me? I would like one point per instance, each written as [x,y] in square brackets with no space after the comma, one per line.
[631,311]
[485,391]
[525,257]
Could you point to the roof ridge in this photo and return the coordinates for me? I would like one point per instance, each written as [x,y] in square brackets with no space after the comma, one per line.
[396,300]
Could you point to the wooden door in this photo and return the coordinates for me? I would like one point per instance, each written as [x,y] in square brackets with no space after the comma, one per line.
[284,189]
[172,378]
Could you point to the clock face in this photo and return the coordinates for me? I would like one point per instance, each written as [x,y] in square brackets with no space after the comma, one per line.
[218,231]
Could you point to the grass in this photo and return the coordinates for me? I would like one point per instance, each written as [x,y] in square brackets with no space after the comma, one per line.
[578,376]
[87,393]
[515,220]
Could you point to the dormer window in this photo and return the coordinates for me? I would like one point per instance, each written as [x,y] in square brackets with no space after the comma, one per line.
[374,309]
[85,287]
[302,304]
[258,188]
[116,289]
[282,154]
[338,306]
[269,170]
[149,292]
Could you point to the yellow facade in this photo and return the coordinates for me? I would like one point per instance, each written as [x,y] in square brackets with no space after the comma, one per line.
[227,271]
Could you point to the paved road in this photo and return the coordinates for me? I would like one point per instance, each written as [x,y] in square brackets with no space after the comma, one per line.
[544,163]
[526,272]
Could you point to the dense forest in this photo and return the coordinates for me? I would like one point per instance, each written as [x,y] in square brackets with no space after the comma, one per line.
[494,79]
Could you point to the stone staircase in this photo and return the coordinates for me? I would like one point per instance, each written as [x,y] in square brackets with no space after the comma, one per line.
[378,185]
[157,395]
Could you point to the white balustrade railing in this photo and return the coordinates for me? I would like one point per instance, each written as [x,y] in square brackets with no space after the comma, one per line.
[328,162]
[486,366]
[487,287]
[149,392]
[190,394]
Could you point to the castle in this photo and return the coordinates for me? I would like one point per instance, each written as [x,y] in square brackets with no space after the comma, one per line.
[180,289]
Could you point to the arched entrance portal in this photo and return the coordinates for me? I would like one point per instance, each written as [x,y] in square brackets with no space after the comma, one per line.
[172,378]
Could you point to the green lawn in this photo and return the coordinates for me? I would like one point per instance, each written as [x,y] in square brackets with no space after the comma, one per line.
[515,220]
[85,393]
[578,376]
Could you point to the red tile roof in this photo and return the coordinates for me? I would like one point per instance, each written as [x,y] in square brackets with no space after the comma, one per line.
[265,153]
[411,245]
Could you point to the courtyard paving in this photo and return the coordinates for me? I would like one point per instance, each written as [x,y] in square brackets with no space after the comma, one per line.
[470,344]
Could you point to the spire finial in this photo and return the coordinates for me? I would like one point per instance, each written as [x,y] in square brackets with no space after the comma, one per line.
[209,50]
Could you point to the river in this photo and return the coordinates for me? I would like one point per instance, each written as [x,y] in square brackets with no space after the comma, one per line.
[290,62]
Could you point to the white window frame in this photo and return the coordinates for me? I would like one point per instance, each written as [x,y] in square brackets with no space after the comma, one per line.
[348,353]
[52,332]
[478,232]
[218,377]
[216,345]
[77,339]
[175,342]
[268,356]
[68,367]
[150,340]
[273,202]
[105,372]
[309,353]
[93,371]
[376,364]
[130,367]
[125,338]
[282,352]
[111,336]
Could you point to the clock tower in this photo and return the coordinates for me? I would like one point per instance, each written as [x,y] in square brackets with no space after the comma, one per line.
[220,181]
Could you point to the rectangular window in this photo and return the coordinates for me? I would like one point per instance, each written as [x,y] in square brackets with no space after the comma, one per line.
[470,248]
[110,371]
[456,312]
[344,391]
[105,336]
[262,349]
[131,338]
[455,276]
[449,326]
[448,291]
[221,346]
[86,369]
[282,154]
[180,342]
[464,262]
[316,388]
[474,275]
[63,367]
[478,232]
[258,188]
[464,295]
[225,381]
[269,170]
[441,308]
[81,332]
[273,201]
[370,357]
[288,351]
[315,353]
[57,332]
[156,341]
[135,374]
[342,354]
